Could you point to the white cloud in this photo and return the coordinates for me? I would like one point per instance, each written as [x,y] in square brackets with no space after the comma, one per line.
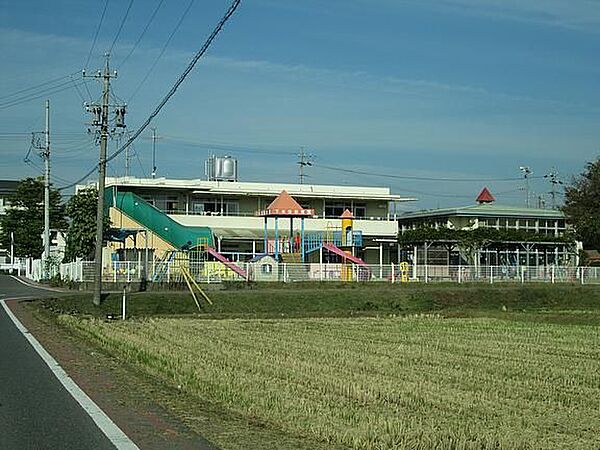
[582,15]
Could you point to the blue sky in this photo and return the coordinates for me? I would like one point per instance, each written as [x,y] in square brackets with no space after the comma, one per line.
[447,88]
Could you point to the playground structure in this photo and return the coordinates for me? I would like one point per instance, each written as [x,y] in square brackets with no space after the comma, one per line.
[186,253]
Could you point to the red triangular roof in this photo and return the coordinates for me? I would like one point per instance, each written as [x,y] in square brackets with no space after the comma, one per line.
[285,205]
[485,196]
[347,215]
[284,201]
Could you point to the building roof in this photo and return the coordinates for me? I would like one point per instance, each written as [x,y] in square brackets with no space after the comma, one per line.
[285,206]
[485,196]
[8,187]
[486,210]
[260,189]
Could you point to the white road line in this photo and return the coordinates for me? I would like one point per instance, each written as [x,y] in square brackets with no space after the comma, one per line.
[106,425]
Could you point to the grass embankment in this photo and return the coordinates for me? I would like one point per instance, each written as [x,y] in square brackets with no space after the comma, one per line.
[439,366]
[563,303]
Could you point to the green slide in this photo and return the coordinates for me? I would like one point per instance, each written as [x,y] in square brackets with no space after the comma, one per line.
[138,209]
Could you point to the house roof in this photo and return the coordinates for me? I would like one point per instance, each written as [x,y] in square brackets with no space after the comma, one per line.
[347,215]
[485,210]
[285,206]
[485,196]
[8,187]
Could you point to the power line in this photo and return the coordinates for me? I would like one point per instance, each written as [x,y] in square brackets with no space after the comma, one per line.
[162,51]
[142,34]
[225,147]
[121,26]
[415,178]
[55,90]
[37,86]
[96,35]
[171,92]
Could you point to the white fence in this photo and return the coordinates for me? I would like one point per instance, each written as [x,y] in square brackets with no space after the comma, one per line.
[216,272]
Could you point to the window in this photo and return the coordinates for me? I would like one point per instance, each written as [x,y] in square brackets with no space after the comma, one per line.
[360,210]
[336,209]
[231,208]
[267,269]
[171,203]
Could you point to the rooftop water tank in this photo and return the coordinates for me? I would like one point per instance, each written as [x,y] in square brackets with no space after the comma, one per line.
[221,168]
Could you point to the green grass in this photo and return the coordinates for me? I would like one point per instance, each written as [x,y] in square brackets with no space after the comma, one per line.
[328,300]
[369,383]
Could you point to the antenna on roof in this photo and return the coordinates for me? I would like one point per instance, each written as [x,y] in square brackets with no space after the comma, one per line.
[304,160]
[526,172]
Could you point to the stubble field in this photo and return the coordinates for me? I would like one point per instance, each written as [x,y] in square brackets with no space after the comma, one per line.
[377,383]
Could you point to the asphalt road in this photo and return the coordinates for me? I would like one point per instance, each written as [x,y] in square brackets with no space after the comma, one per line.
[36,412]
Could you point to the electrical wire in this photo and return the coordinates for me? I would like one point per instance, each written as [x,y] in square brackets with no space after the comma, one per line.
[36,91]
[121,26]
[415,178]
[37,86]
[171,92]
[137,156]
[87,61]
[78,91]
[162,51]
[142,34]
[48,93]
[225,146]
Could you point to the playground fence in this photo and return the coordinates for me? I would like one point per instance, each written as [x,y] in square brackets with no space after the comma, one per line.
[216,272]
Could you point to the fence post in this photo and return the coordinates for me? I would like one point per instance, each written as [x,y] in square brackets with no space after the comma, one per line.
[522,274]
[393,274]
[552,275]
[123,302]
[426,277]
[459,274]
[582,274]
[491,274]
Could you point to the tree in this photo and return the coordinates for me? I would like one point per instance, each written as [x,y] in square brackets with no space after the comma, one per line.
[25,218]
[582,205]
[81,238]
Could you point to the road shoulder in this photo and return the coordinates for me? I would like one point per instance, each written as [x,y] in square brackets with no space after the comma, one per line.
[109,384]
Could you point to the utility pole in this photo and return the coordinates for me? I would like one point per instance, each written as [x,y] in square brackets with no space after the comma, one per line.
[154,152]
[12,250]
[44,148]
[126,156]
[526,172]
[46,156]
[101,120]
[554,181]
[303,161]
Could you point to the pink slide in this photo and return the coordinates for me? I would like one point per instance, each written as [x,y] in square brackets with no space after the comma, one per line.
[338,251]
[241,272]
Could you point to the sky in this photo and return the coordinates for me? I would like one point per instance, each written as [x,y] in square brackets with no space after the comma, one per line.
[421,96]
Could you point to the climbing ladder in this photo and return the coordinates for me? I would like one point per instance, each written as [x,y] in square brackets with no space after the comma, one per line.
[161,268]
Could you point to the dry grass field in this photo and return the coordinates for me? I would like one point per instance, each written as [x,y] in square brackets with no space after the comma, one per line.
[379,383]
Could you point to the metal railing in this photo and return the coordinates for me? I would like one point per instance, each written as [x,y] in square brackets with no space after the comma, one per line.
[270,270]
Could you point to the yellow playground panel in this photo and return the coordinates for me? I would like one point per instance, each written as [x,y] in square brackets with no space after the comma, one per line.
[218,270]
[404,272]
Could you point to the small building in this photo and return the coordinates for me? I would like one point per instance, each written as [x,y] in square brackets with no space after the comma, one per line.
[531,236]
[265,268]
